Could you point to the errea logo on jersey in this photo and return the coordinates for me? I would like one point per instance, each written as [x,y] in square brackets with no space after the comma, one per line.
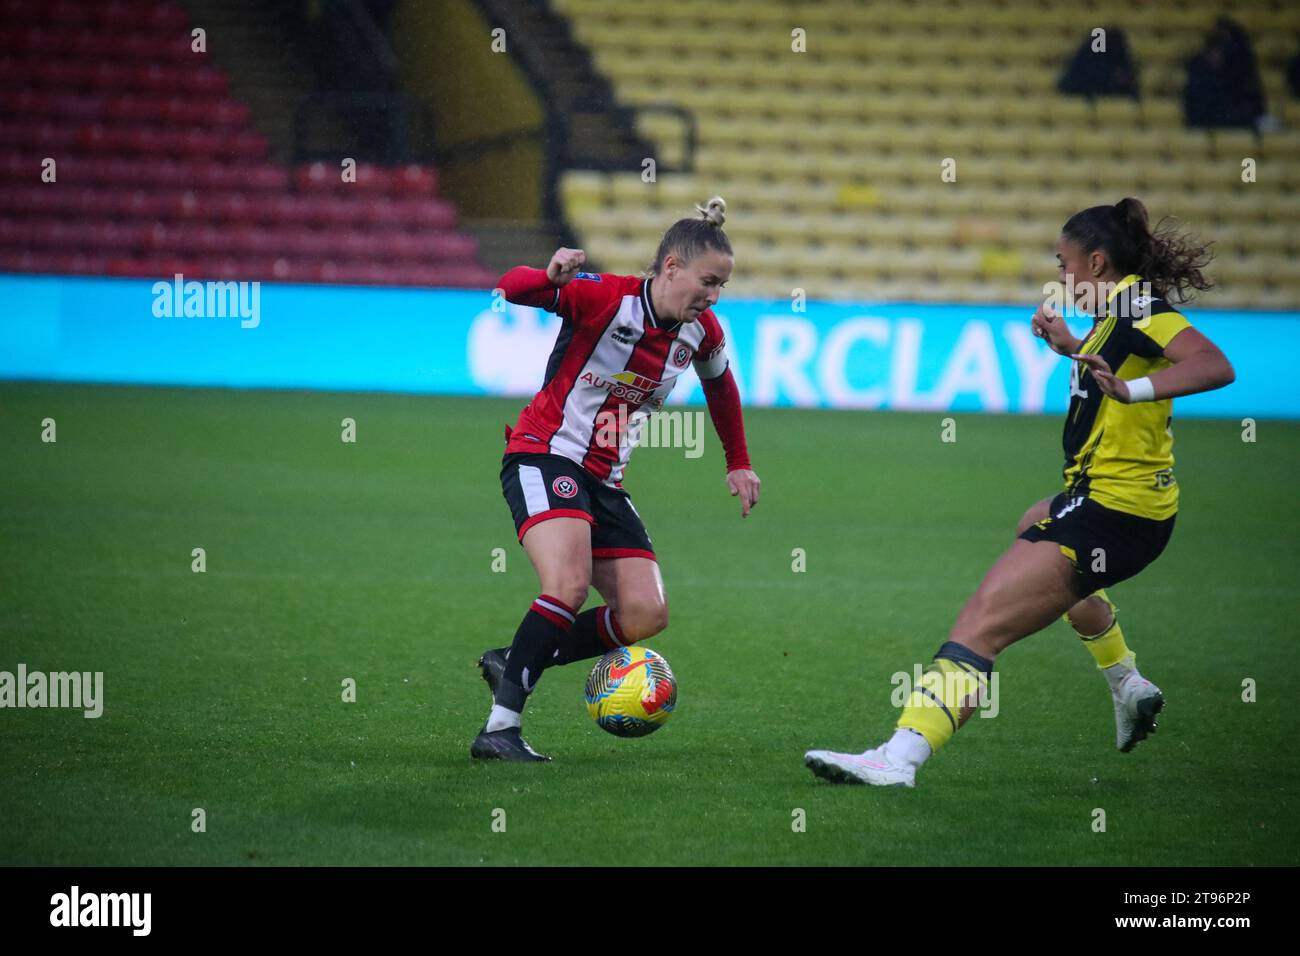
[623,334]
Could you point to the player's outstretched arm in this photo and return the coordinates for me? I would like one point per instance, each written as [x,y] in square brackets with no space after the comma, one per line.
[723,398]
[523,285]
[1198,366]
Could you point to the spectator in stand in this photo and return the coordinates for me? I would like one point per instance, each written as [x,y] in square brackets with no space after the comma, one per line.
[1102,66]
[1223,87]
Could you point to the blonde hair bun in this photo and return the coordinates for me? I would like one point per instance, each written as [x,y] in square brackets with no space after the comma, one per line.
[715,211]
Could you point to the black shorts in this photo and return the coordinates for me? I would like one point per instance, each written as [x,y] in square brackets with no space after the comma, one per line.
[1105,546]
[538,487]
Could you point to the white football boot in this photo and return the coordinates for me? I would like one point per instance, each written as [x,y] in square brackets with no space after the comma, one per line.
[875,767]
[1138,703]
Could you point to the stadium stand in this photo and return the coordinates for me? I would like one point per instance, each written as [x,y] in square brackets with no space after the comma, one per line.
[830,160]
[158,170]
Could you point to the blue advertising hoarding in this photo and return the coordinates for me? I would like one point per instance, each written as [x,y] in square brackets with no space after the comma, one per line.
[963,358]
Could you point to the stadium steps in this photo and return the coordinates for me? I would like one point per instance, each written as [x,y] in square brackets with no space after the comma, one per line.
[502,244]
[267,68]
[602,134]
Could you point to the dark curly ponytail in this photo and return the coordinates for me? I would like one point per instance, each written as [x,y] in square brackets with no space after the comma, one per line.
[1167,258]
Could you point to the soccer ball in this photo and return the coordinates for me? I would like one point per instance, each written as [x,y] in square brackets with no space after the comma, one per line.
[631,692]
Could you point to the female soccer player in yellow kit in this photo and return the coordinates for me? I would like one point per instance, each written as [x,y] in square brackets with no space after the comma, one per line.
[1117,511]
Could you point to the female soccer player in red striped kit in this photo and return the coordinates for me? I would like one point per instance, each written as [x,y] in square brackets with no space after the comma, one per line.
[623,343]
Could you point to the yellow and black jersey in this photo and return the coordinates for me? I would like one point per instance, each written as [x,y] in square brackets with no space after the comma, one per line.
[1122,456]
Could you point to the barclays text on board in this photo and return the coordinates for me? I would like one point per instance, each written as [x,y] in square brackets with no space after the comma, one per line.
[831,355]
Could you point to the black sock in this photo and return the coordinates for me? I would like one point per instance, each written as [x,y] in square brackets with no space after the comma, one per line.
[534,646]
[961,654]
[594,633]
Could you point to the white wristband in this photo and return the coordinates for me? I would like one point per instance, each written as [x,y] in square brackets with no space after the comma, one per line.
[1140,390]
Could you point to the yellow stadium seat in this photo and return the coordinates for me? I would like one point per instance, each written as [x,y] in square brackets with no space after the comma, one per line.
[1162,112]
[831,159]
[1118,111]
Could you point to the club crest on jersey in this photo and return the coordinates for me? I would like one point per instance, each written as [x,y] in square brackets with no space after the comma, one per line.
[625,385]
[564,487]
[681,356]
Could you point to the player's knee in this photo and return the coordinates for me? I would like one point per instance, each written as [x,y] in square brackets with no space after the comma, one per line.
[570,588]
[643,619]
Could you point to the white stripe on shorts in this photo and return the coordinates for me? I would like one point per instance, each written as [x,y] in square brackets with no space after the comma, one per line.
[534,486]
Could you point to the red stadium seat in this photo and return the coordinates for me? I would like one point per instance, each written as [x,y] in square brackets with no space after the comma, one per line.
[333,211]
[131,109]
[28,104]
[159,171]
[155,236]
[383,212]
[320,177]
[372,179]
[428,214]
[353,245]
[313,177]
[398,245]
[293,242]
[235,208]
[368,273]
[44,136]
[426,247]
[104,235]
[416,181]
[222,112]
[285,210]
[452,246]
[52,263]
[264,177]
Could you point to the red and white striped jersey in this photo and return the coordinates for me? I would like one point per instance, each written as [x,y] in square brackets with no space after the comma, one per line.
[613,364]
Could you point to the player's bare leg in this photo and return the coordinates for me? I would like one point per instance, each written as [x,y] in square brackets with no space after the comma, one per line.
[560,550]
[1138,702]
[634,609]
[634,589]
[1027,588]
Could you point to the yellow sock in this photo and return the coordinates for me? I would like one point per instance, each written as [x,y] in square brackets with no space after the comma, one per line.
[1108,647]
[945,697]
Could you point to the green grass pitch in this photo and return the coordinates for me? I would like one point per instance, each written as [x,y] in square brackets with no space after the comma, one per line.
[373,561]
